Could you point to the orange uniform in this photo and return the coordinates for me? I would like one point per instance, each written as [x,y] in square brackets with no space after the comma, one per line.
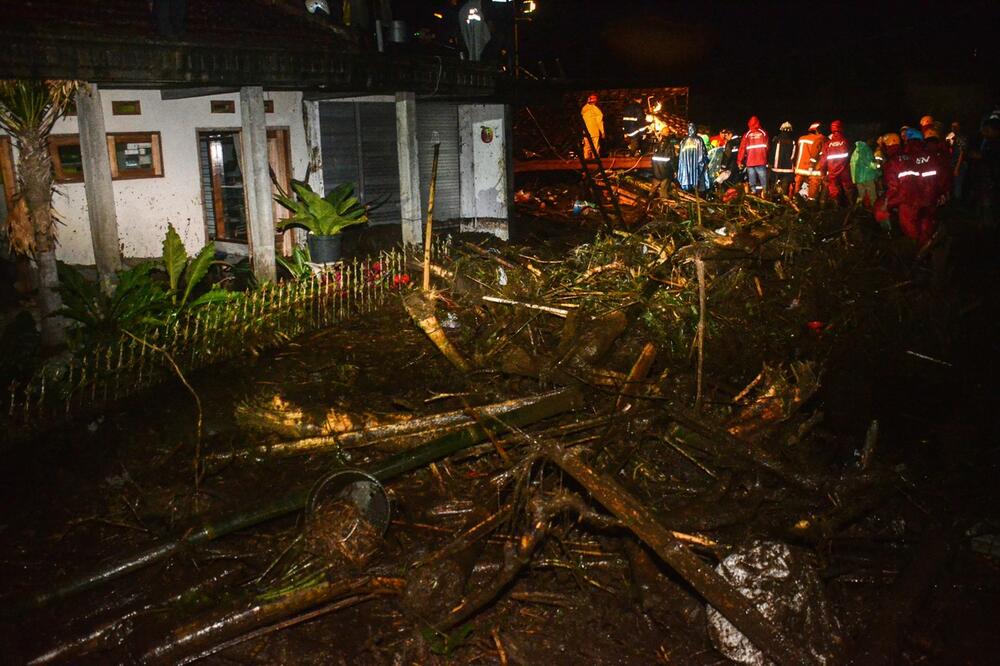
[809,151]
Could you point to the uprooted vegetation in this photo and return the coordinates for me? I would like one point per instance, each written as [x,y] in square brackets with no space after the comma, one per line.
[615,455]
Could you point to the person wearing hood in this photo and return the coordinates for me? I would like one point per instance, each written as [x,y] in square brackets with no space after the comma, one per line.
[835,164]
[783,159]
[807,156]
[692,159]
[910,189]
[753,155]
[865,173]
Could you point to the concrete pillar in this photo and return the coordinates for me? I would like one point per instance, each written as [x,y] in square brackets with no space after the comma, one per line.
[97,185]
[409,168]
[314,144]
[257,182]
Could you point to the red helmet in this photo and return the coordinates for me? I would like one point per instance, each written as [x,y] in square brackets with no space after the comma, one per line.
[592,99]
[836,126]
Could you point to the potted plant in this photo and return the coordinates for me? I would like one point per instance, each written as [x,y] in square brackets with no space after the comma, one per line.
[323,217]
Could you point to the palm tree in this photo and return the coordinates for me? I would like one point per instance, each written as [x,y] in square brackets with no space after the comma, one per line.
[28,110]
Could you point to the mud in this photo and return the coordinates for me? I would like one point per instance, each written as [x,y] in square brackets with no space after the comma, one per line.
[85,493]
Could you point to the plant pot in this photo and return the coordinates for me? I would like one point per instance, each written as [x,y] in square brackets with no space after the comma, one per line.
[324,249]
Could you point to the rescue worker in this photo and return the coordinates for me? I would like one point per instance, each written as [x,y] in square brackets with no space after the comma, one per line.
[940,184]
[731,150]
[864,173]
[807,155]
[925,123]
[715,155]
[691,162]
[959,145]
[890,147]
[835,164]
[783,159]
[593,120]
[906,179]
[665,161]
[753,155]
[633,117]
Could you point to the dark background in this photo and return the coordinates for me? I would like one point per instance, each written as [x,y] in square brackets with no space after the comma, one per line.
[875,65]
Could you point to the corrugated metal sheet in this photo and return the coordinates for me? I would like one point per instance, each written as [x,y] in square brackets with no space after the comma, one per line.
[359,146]
[439,122]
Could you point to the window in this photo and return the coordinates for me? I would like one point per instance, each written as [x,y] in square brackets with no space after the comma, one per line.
[67,162]
[135,155]
[223,106]
[268,106]
[129,107]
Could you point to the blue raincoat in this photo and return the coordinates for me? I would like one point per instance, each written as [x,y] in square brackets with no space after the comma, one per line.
[691,162]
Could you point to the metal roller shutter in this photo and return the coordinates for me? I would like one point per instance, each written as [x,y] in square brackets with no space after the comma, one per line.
[442,119]
[359,146]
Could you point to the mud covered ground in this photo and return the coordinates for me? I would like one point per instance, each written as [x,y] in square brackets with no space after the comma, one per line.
[897,554]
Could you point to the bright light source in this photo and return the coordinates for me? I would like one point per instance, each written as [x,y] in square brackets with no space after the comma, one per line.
[528,6]
[438,15]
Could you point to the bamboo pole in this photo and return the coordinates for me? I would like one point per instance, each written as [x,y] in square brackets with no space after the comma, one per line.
[699,266]
[428,237]
[634,514]
[548,404]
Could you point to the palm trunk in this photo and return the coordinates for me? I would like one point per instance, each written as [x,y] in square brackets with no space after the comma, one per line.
[36,176]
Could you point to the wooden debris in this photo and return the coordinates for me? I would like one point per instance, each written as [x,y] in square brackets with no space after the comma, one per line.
[635,515]
[421,310]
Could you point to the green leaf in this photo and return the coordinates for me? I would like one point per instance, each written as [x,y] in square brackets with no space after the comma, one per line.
[174,258]
[213,295]
[197,269]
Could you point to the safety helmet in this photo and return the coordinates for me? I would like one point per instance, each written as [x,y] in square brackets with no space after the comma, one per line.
[592,99]
[814,127]
[914,134]
[931,132]
[313,6]
[835,126]
[786,126]
[890,139]
[926,121]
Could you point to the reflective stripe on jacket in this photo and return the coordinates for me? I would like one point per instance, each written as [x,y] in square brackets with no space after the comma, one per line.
[753,148]
[783,153]
[809,151]
[836,155]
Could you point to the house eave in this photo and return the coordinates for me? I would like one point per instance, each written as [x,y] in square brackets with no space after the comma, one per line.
[167,65]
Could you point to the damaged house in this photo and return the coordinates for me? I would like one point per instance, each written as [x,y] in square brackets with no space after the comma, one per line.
[191,120]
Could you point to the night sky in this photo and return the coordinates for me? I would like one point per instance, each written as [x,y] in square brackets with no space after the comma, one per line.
[867,63]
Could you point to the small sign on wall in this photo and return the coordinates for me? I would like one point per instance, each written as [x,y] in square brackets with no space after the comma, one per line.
[486,134]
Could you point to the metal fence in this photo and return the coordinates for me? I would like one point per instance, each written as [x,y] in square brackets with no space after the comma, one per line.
[259,319]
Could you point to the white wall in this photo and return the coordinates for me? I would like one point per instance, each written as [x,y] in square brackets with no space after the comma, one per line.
[484,169]
[145,206]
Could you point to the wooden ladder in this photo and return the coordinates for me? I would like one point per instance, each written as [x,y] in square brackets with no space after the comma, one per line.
[599,185]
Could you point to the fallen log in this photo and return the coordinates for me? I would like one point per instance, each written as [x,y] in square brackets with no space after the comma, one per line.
[201,636]
[548,404]
[419,430]
[634,514]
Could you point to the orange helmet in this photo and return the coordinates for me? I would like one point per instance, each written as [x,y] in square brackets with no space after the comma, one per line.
[930,132]
[890,139]
[926,121]
[592,99]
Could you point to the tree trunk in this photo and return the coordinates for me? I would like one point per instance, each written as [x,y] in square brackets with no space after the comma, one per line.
[36,175]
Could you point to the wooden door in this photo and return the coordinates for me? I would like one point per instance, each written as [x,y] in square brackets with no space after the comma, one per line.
[279,160]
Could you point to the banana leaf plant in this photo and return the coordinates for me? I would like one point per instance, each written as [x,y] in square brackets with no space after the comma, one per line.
[321,216]
[184,274]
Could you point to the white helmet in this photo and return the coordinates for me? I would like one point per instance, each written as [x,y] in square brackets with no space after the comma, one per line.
[786,126]
[313,6]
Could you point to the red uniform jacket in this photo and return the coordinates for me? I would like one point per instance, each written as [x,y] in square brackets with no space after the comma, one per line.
[753,146]
[836,155]
[905,181]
